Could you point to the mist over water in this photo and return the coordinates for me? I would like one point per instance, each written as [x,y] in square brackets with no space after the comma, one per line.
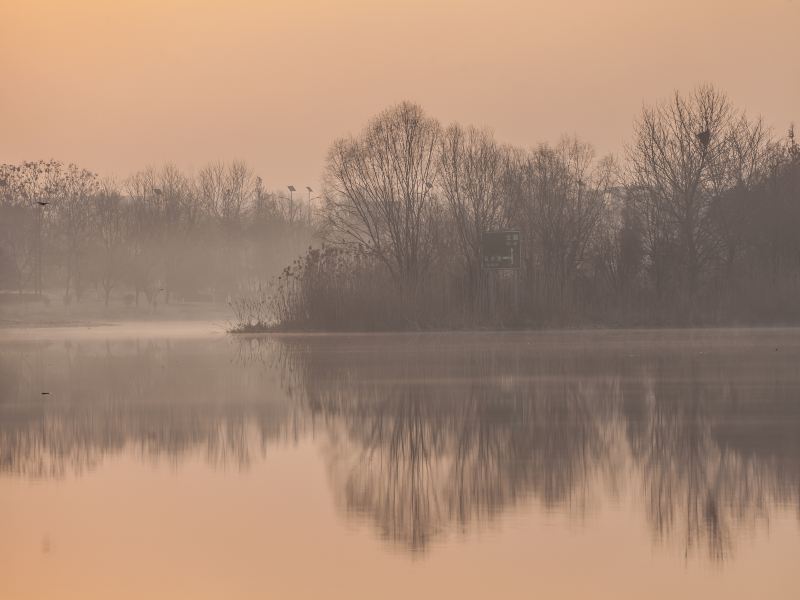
[419,442]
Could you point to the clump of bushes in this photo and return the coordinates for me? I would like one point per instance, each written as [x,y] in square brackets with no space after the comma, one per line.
[334,289]
[340,289]
[251,311]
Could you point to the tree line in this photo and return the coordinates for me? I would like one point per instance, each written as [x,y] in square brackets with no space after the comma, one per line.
[160,234]
[696,223]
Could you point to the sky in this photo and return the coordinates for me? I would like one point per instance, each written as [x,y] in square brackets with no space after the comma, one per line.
[118,85]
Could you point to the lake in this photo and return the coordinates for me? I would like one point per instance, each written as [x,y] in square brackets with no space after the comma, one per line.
[177,461]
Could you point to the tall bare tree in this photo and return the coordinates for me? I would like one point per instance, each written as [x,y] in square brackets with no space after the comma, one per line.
[111,228]
[73,206]
[379,191]
[564,193]
[144,230]
[471,169]
[227,192]
[686,152]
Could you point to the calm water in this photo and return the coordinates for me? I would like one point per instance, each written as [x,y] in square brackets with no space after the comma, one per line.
[187,463]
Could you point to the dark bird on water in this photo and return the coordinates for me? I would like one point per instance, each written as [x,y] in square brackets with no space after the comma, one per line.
[45,393]
[42,203]
[704,137]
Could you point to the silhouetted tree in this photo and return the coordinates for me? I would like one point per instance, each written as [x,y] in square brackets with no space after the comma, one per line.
[379,191]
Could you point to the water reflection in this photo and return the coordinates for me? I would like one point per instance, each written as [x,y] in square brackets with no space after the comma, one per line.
[429,434]
[426,435]
[157,399]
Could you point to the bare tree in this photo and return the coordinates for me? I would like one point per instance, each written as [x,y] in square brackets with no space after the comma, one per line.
[180,212]
[379,191]
[73,208]
[227,192]
[620,247]
[564,197]
[110,221]
[471,169]
[144,223]
[685,154]
[26,192]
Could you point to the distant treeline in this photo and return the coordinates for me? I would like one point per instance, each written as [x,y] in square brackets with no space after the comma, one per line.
[159,235]
[698,223]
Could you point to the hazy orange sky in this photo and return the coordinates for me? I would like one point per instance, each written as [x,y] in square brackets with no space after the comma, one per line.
[116,85]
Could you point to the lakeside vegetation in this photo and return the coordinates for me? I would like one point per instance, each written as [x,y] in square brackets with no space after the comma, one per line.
[696,223]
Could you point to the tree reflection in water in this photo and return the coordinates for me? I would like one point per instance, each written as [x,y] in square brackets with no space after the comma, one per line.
[428,433]
[424,435]
[156,399]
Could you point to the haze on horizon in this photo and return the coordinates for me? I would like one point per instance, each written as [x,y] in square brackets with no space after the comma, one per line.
[116,86]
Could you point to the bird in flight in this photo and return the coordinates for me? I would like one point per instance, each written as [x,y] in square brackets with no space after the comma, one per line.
[42,203]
